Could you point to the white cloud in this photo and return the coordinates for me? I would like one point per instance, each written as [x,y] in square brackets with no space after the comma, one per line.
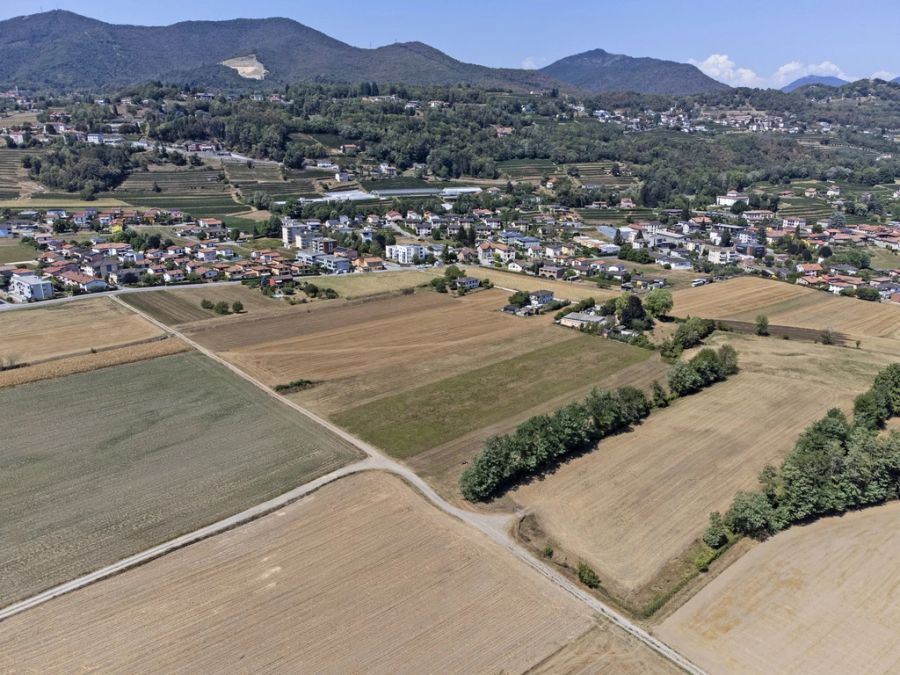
[723,68]
[883,75]
[532,62]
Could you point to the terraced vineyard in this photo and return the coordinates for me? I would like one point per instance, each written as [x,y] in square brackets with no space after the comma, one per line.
[526,169]
[600,174]
[268,178]
[11,171]
[614,216]
[198,192]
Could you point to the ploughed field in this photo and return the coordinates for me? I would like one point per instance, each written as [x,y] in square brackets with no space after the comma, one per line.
[101,465]
[640,499]
[361,576]
[821,598]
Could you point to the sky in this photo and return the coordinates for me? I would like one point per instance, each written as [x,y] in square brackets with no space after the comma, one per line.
[764,43]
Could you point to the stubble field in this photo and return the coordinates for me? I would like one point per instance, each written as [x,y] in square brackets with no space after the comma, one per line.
[823,598]
[101,465]
[361,576]
[41,333]
[745,298]
[175,306]
[360,351]
[640,499]
[569,290]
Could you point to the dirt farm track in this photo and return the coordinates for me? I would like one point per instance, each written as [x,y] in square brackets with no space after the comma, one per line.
[361,576]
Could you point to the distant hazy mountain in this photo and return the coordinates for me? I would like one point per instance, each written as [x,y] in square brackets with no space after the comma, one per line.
[62,50]
[824,80]
[896,80]
[598,70]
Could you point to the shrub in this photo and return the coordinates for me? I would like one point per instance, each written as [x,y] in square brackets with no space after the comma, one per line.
[547,551]
[762,325]
[716,534]
[237,306]
[587,576]
[206,304]
[221,307]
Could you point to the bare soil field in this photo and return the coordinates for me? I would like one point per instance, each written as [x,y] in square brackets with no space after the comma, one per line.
[41,333]
[744,298]
[359,351]
[822,598]
[88,362]
[569,290]
[641,498]
[98,466]
[362,576]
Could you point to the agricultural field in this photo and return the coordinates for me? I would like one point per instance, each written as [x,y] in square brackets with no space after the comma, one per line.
[173,181]
[568,290]
[526,169]
[42,333]
[13,250]
[744,298]
[427,416]
[617,217]
[102,465]
[821,598]
[883,259]
[351,286]
[640,499]
[599,175]
[175,306]
[360,351]
[362,576]
[269,179]
[11,171]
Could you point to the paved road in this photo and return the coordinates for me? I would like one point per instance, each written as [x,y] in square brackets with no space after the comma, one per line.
[496,527]
[10,307]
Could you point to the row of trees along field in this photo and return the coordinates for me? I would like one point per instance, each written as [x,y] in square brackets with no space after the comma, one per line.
[540,442]
[835,466]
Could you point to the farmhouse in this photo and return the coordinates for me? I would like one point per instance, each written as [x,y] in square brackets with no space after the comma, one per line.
[540,297]
[82,282]
[581,320]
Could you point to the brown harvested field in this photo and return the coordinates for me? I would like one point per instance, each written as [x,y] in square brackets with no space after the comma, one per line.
[102,465]
[641,498]
[362,576]
[359,351]
[744,298]
[175,306]
[41,333]
[604,650]
[49,370]
[823,598]
[569,290]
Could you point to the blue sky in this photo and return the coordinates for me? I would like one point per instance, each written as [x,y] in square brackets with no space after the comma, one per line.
[764,43]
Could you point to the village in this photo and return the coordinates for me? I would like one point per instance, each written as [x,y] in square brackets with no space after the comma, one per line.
[551,244]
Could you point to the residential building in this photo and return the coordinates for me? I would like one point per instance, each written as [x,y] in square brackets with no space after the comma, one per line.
[29,288]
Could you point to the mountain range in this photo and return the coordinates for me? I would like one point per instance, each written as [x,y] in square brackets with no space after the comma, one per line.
[61,50]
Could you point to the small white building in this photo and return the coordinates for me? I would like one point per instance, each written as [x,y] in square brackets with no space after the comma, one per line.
[405,253]
[721,255]
[29,288]
[731,198]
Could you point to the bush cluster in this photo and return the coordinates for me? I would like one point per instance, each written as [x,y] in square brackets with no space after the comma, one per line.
[836,465]
[540,442]
[707,367]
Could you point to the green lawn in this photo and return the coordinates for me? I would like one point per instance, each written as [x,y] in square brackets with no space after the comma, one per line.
[101,465]
[882,259]
[414,421]
[16,251]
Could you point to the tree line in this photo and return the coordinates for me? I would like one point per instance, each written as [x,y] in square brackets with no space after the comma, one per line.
[836,465]
[541,442]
